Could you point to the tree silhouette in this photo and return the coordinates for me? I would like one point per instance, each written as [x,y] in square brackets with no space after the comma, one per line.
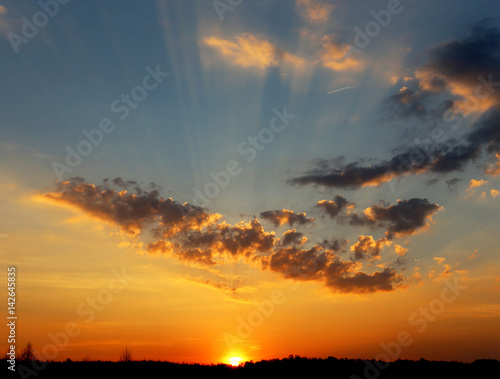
[126,355]
[28,353]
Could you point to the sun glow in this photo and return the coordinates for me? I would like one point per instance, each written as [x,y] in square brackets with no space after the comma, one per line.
[235,361]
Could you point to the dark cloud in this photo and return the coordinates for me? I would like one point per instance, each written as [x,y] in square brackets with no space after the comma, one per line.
[334,244]
[286,216]
[292,237]
[452,184]
[334,207]
[194,236]
[131,211]
[403,218]
[361,282]
[467,69]
[337,274]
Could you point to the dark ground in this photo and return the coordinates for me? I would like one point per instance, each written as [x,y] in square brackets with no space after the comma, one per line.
[288,367]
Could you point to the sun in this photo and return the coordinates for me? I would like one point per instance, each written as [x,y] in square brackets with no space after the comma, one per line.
[235,361]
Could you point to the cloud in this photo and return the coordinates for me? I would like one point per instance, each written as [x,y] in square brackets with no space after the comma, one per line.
[366,246]
[417,103]
[3,10]
[324,266]
[286,216]
[292,237]
[194,236]
[473,255]
[446,269]
[250,51]
[469,70]
[131,211]
[337,56]
[400,250]
[336,206]
[452,184]
[494,193]
[462,67]
[494,168]
[442,159]
[403,218]
[315,11]
[476,183]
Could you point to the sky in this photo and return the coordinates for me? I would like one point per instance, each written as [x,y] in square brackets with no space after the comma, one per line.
[206,180]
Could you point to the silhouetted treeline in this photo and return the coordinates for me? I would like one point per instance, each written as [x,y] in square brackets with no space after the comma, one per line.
[329,368]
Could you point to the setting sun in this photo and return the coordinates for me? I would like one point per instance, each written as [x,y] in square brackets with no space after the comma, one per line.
[235,361]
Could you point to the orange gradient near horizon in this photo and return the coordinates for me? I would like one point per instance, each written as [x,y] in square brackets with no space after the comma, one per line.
[93,295]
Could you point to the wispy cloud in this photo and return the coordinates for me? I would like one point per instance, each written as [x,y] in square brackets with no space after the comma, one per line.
[249,51]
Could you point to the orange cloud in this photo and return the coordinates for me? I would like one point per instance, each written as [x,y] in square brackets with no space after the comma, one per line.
[367,246]
[434,81]
[494,168]
[193,236]
[337,57]
[400,250]
[251,52]
[314,10]
[495,193]
[286,216]
[476,183]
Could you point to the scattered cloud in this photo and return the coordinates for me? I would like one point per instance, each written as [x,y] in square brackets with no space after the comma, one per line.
[335,207]
[403,218]
[476,183]
[400,250]
[249,51]
[196,237]
[466,68]
[337,56]
[286,216]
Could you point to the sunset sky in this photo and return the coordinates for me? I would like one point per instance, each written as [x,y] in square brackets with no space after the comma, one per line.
[203,180]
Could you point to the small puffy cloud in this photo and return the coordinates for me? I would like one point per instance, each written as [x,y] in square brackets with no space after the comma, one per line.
[286,216]
[400,250]
[445,269]
[335,207]
[249,51]
[3,10]
[476,183]
[493,169]
[314,10]
[494,193]
[366,246]
[473,255]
